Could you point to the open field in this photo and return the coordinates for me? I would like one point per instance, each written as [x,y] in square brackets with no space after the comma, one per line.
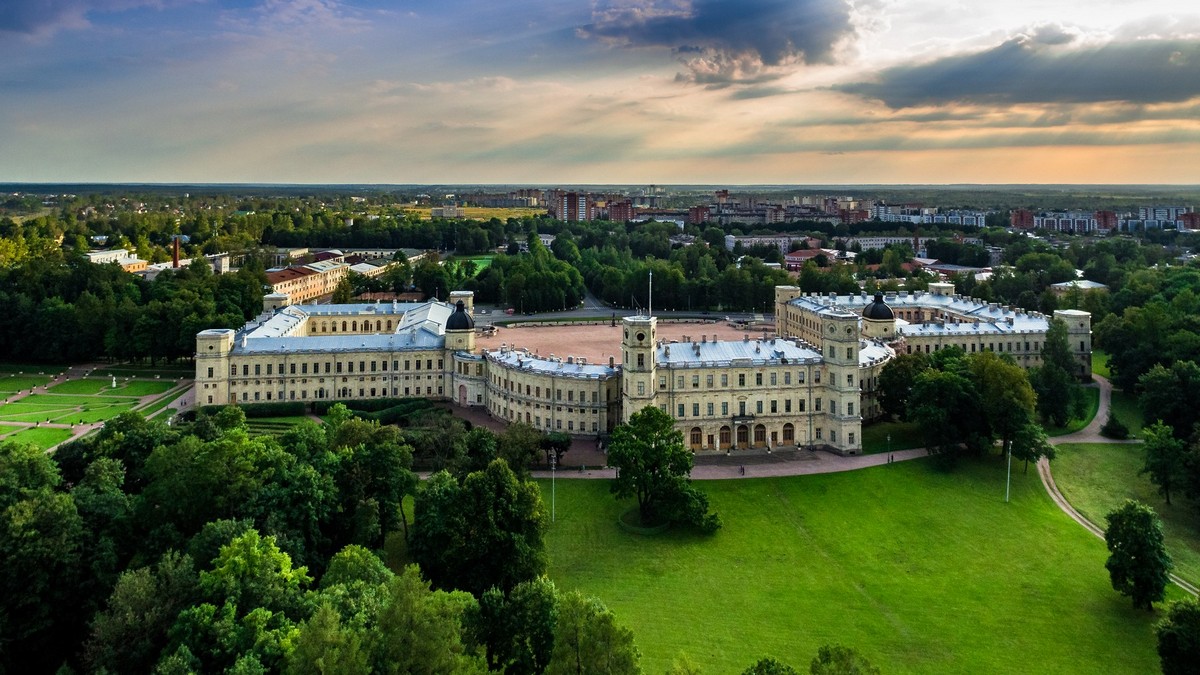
[1097,478]
[923,571]
[11,383]
[1100,364]
[103,386]
[43,437]
[599,341]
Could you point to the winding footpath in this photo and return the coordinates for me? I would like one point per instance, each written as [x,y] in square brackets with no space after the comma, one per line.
[1091,434]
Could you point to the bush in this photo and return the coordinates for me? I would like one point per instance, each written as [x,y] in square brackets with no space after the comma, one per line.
[281,409]
[1113,428]
[369,405]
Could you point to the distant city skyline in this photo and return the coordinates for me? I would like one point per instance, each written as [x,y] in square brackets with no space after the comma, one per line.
[604,92]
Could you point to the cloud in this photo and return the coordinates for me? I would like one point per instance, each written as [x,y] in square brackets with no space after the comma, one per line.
[1049,65]
[44,17]
[726,41]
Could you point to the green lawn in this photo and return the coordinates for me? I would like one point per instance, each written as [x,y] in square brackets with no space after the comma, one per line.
[74,400]
[11,383]
[143,387]
[86,386]
[1100,364]
[1092,395]
[1097,478]
[1125,408]
[904,435]
[923,571]
[43,437]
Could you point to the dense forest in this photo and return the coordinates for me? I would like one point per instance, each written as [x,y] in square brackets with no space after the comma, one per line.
[204,549]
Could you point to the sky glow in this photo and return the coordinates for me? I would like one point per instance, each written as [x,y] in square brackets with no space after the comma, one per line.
[611,91]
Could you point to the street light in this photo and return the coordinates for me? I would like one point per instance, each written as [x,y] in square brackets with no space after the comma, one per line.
[553,466]
[889,437]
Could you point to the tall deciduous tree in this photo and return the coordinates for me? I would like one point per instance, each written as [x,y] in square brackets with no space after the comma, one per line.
[1165,458]
[897,380]
[1179,638]
[588,639]
[653,466]
[1138,563]
[486,532]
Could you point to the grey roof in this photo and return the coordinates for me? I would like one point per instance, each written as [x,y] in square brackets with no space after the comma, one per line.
[459,319]
[422,326]
[734,353]
[992,318]
[523,360]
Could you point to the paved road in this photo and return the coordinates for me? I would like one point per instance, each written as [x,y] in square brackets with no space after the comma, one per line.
[1091,434]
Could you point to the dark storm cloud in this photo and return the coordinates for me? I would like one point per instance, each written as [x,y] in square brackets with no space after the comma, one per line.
[731,40]
[33,17]
[1046,68]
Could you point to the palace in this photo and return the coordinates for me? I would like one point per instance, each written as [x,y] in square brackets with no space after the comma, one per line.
[810,386]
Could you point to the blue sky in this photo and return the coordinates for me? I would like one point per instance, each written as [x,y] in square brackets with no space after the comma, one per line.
[610,91]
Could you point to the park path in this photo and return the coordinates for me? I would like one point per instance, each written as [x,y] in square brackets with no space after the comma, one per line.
[1091,434]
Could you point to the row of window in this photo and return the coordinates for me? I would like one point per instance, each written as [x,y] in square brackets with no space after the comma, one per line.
[991,347]
[535,391]
[536,420]
[759,408]
[710,379]
[343,392]
[352,327]
[334,367]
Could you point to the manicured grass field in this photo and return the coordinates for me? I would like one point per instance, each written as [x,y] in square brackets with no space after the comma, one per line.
[1093,404]
[143,387]
[11,383]
[65,401]
[904,435]
[1097,478]
[85,386]
[43,437]
[1125,407]
[923,571]
[1100,364]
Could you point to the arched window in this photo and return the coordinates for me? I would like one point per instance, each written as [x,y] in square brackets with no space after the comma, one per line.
[743,435]
[343,326]
[354,326]
[789,433]
[696,437]
[760,435]
[725,437]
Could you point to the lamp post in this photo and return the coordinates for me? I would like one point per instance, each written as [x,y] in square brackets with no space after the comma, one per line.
[553,467]
[1008,480]
[889,437]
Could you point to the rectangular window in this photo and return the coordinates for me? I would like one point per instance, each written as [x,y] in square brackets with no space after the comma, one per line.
[850,380]
[326,368]
[269,370]
[708,381]
[245,370]
[710,409]
[849,408]
[741,379]
[818,405]
[724,380]
[849,352]
[695,410]
[800,377]
[418,362]
[210,371]
[758,379]
[257,369]
[787,405]
[801,402]
[742,408]
[662,382]
[818,433]
[817,377]
[291,369]
[428,364]
[851,438]
[339,367]
[724,408]
[695,382]
[679,382]
[641,360]
[774,407]
[373,366]
[641,388]
[787,378]
[680,409]
[774,376]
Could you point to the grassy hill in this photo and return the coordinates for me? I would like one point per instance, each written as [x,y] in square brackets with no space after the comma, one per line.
[923,571]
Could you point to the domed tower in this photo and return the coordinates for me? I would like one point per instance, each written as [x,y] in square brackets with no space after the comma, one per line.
[460,330]
[879,323]
[638,366]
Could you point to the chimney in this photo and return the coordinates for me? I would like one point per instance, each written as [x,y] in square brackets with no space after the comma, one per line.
[175,254]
